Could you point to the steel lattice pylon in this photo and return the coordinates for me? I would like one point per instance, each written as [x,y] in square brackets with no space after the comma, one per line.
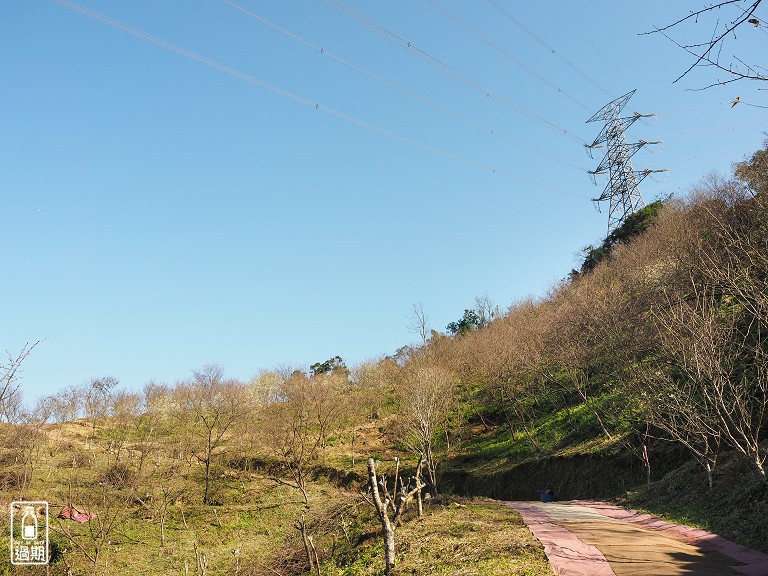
[622,190]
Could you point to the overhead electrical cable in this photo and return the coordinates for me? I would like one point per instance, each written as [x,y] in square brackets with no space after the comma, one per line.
[721,129]
[618,72]
[689,110]
[666,187]
[287,94]
[546,46]
[696,159]
[508,55]
[449,70]
[403,90]
[516,21]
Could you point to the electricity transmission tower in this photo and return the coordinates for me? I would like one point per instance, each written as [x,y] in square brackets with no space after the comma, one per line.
[622,190]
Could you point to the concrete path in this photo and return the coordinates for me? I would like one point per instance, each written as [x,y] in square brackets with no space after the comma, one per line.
[588,538]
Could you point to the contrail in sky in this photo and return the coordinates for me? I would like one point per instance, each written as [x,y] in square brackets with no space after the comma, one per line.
[44,213]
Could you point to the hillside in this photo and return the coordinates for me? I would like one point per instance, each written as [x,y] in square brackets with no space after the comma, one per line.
[642,378]
[155,523]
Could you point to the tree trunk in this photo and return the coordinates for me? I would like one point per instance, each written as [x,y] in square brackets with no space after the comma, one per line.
[301,526]
[431,469]
[302,484]
[314,552]
[647,464]
[207,479]
[389,546]
[208,455]
[382,506]
[387,527]
[419,503]
[759,465]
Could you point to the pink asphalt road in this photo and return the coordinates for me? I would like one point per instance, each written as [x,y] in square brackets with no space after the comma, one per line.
[589,538]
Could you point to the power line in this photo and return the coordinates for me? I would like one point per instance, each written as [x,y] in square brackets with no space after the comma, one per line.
[698,159]
[287,94]
[547,47]
[508,55]
[449,70]
[676,136]
[516,21]
[399,88]
[690,109]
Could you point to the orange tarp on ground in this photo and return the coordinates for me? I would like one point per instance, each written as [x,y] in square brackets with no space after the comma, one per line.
[72,513]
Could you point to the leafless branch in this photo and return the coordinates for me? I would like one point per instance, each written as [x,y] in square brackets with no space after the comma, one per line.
[695,15]
[709,52]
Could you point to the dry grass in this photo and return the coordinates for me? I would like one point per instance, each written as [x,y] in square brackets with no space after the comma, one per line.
[252,533]
[464,537]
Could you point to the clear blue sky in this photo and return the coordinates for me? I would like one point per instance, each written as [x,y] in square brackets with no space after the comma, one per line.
[160,213]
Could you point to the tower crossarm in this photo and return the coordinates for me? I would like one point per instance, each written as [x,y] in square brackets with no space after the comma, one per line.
[642,174]
[615,126]
[613,108]
[605,195]
[637,145]
[631,149]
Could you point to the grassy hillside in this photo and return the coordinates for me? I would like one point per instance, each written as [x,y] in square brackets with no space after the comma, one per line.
[736,507]
[642,377]
[160,526]
[650,357]
[457,536]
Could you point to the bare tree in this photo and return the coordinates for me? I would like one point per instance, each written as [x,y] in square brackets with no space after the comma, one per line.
[326,394]
[419,323]
[373,385]
[507,357]
[427,396]
[68,404]
[9,376]
[126,409]
[214,405]
[162,492]
[709,51]
[295,437]
[675,407]
[98,396]
[25,439]
[486,309]
[390,505]
[713,327]
[309,545]
[720,381]
[147,426]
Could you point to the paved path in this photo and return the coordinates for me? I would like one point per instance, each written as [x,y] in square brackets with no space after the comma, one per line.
[588,538]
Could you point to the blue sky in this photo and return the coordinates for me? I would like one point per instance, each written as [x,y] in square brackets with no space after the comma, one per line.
[161,212]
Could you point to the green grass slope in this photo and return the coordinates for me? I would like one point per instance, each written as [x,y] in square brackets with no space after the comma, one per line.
[251,528]
[736,507]
[576,460]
